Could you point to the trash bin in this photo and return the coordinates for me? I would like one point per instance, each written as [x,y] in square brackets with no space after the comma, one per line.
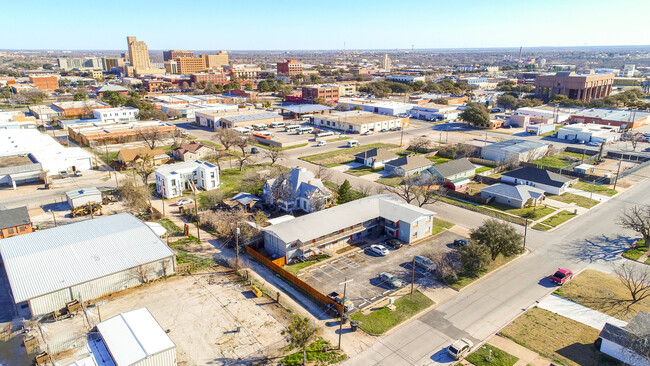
[354,325]
[345,318]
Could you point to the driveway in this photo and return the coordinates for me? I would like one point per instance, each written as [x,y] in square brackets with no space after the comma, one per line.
[374,176]
[577,312]
[344,167]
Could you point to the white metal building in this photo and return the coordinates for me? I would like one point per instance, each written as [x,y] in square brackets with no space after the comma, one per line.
[83,261]
[121,114]
[173,179]
[83,196]
[589,133]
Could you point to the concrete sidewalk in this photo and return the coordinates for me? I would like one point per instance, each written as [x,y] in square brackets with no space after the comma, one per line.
[526,356]
[577,312]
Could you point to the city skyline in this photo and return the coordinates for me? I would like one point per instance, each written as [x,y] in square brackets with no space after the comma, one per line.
[358,26]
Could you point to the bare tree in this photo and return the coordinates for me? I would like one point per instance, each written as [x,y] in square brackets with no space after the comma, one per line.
[226,137]
[145,168]
[178,139]
[635,279]
[151,136]
[242,143]
[447,264]
[633,138]
[323,173]
[217,156]
[365,189]
[420,144]
[637,218]
[273,153]
[415,190]
[243,160]
[135,195]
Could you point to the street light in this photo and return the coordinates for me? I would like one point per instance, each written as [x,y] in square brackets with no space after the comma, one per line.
[53,217]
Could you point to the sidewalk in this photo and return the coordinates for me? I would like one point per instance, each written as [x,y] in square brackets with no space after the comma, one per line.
[526,356]
[577,312]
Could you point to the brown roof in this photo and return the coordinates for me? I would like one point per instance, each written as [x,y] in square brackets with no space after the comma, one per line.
[194,147]
[130,154]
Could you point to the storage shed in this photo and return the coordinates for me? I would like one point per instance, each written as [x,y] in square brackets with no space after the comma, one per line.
[82,261]
[83,196]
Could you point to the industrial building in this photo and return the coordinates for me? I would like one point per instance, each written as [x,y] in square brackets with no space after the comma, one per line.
[111,133]
[359,121]
[405,78]
[82,197]
[611,117]
[234,117]
[173,179]
[589,133]
[435,112]
[380,107]
[514,150]
[82,261]
[79,108]
[119,114]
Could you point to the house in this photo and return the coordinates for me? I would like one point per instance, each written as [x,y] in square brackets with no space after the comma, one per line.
[193,151]
[137,156]
[550,182]
[242,200]
[297,189]
[337,226]
[454,174]
[516,196]
[82,197]
[82,261]
[375,158]
[133,338]
[627,344]
[408,165]
[514,150]
[14,222]
[173,179]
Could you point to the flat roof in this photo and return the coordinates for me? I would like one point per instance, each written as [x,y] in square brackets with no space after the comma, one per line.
[516,145]
[306,108]
[177,167]
[49,260]
[358,117]
[619,115]
[251,117]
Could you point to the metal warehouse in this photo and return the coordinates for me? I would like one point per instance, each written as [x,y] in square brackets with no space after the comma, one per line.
[82,261]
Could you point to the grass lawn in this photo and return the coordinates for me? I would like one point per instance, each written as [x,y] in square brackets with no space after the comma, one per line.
[342,155]
[363,170]
[484,210]
[392,181]
[380,321]
[183,249]
[440,225]
[561,339]
[550,133]
[559,218]
[439,159]
[315,355]
[559,160]
[499,357]
[532,213]
[541,227]
[633,254]
[172,229]
[231,180]
[292,146]
[603,292]
[581,201]
[464,279]
[210,143]
[596,188]
[295,268]
[483,169]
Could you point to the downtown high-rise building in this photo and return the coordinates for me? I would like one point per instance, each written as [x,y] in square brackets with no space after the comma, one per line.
[138,53]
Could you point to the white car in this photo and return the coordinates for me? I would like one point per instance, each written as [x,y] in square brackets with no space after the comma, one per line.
[378,249]
[321,143]
[460,348]
[184,201]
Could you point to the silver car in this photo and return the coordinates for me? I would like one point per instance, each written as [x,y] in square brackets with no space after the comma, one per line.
[378,249]
[391,279]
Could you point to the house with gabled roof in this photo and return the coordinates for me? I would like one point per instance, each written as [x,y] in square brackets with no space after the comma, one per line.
[375,158]
[408,165]
[629,344]
[298,189]
[454,174]
[193,151]
[515,196]
[550,182]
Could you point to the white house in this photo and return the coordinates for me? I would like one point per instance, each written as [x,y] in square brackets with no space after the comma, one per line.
[627,344]
[173,179]
[550,182]
[298,189]
[120,114]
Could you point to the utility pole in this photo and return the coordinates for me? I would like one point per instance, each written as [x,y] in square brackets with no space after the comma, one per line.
[345,288]
[54,218]
[412,275]
[401,136]
[198,225]
[237,249]
[162,193]
[108,163]
[620,162]
[525,233]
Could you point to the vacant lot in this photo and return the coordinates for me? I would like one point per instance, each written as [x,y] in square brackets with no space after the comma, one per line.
[342,155]
[559,218]
[581,201]
[595,188]
[382,320]
[559,160]
[603,292]
[556,337]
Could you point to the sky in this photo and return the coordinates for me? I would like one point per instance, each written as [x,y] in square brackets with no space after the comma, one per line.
[323,25]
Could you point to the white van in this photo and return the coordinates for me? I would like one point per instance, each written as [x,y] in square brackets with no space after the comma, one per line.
[277,124]
[353,143]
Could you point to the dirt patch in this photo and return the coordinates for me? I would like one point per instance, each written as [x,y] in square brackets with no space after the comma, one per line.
[603,292]
[557,338]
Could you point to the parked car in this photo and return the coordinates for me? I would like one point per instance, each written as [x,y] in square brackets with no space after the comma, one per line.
[347,304]
[184,201]
[393,243]
[368,132]
[255,150]
[460,242]
[64,174]
[378,249]
[593,143]
[460,348]
[561,276]
[646,149]
[384,130]
[321,143]
[393,281]
[424,263]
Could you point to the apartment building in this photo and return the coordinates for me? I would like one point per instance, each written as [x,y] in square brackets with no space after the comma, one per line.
[290,68]
[173,179]
[328,93]
[189,65]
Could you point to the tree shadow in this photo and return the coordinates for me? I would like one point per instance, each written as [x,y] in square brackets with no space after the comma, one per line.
[598,248]
[586,354]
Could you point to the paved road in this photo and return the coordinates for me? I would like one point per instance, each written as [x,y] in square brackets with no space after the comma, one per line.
[593,240]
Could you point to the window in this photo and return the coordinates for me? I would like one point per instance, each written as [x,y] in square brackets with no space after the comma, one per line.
[10,230]
[21,229]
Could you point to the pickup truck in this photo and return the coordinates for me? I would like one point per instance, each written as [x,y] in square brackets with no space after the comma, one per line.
[347,304]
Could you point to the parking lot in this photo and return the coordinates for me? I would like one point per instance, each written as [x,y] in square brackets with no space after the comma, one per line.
[363,268]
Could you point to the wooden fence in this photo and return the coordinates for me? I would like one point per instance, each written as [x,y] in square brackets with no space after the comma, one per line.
[294,280]
[469,197]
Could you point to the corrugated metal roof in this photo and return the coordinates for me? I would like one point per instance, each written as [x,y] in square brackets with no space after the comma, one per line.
[133,336]
[306,108]
[84,192]
[49,260]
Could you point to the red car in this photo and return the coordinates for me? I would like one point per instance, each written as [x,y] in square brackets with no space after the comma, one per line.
[561,276]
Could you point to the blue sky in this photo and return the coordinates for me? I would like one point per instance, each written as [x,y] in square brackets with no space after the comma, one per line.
[293,25]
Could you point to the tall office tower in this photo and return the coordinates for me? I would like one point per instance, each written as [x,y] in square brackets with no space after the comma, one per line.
[216,61]
[172,54]
[138,54]
[386,63]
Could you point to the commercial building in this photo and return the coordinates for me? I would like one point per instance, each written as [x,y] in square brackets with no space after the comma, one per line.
[44,112]
[139,59]
[217,77]
[589,133]
[172,54]
[302,110]
[120,132]
[216,62]
[80,63]
[381,107]
[114,63]
[435,112]
[213,118]
[327,93]
[347,90]
[336,226]
[190,65]
[290,67]
[244,120]
[405,78]
[624,119]
[359,121]
[82,261]
[242,71]
[16,119]
[82,197]
[119,114]
[112,88]
[82,108]
[49,83]
[133,338]
[386,63]
[546,114]
[14,221]
[574,86]
[173,179]
[514,150]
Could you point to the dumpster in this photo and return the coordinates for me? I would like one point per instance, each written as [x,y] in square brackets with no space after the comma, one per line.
[354,325]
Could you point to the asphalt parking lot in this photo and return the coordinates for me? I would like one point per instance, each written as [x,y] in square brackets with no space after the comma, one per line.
[363,268]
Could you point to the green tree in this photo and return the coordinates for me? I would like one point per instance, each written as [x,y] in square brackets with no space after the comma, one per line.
[316,79]
[561,100]
[507,101]
[474,258]
[344,193]
[263,86]
[79,96]
[499,237]
[6,93]
[48,66]
[299,333]
[476,114]
[115,99]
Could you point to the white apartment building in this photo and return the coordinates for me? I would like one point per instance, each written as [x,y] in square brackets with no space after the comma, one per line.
[173,179]
[120,114]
